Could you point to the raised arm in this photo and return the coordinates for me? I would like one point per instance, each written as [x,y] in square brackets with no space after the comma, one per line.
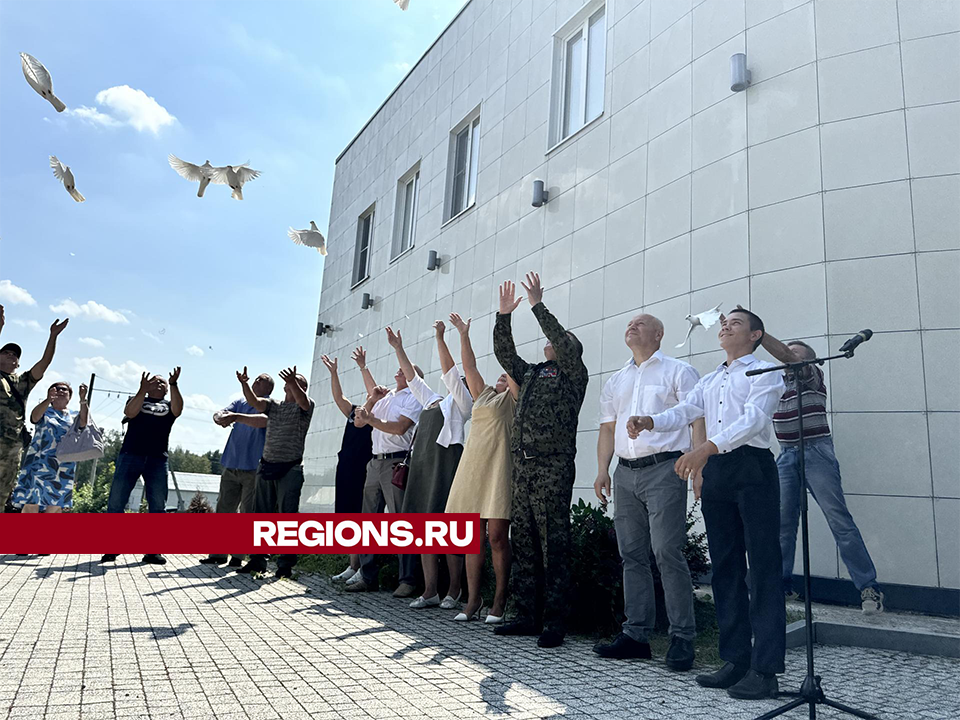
[396,342]
[360,358]
[84,408]
[345,406]
[503,345]
[44,362]
[258,404]
[467,357]
[37,413]
[176,399]
[132,408]
[568,351]
[1,318]
[446,359]
[290,380]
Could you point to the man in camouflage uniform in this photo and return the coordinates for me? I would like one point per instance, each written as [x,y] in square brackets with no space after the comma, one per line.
[14,389]
[544,445]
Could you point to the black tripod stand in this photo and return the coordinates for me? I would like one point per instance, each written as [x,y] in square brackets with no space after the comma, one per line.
[810,691]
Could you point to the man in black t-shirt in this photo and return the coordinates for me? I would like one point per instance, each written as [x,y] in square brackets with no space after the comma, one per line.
[149,416]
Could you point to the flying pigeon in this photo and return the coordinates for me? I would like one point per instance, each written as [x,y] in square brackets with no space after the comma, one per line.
[39,79]
[310,237]
[63,174]
[706,320]
[191,172]
[402,3]
[234,176]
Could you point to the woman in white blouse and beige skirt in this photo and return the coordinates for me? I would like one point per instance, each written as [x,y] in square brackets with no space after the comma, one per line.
[483,480]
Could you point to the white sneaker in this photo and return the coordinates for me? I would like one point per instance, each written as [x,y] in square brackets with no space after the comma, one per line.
[450,602]
[357,577]
[871,601]
[421,602]
[345,575]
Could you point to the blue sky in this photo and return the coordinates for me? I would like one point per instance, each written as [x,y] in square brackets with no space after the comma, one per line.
[150,275]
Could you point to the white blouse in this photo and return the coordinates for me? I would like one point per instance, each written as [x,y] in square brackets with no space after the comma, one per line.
[456,407]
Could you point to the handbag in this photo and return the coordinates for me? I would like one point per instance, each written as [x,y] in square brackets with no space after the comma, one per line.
[402,468]
[81,444]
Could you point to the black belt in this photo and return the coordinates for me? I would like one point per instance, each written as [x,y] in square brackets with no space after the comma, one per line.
[650,460]
[390,456]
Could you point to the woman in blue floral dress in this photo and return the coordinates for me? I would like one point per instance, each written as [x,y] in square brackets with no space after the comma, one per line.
[44,483]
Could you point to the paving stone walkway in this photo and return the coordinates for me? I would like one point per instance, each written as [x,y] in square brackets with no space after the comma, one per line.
[82,640]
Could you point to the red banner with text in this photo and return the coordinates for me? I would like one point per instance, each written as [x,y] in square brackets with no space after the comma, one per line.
[267,534]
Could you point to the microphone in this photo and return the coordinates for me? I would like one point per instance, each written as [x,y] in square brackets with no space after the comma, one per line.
[860,337]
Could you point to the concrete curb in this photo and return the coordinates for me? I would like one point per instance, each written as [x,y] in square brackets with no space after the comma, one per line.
[918,642]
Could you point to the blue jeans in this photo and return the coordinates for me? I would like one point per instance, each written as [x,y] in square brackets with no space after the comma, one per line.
[129,468]
[823,480]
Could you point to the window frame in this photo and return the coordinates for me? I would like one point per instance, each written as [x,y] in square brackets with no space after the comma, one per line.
[412,176]
[578,25]
[371,213]
[471,123]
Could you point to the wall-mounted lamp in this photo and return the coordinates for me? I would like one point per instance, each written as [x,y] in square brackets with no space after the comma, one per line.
[433,260]
[739,75]
[323,329]
[366,302]
[540,194]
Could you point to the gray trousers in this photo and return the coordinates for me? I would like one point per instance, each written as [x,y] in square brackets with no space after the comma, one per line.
[236,495]
[379,492]
[650,508]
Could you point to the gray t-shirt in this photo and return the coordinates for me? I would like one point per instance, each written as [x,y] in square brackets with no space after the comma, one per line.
[287,427]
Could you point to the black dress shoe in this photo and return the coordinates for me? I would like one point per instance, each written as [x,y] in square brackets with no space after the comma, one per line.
[550,639]
[154,560]
[212,561]
[680,655]
[249,568]
[108,558]
[622,648]
[283,572]
[517,627]
[727,676]
[235,562]
[755,686]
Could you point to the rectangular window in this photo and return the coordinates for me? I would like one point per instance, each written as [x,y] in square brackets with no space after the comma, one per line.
[361,258]
[405,225]
[579,71]
[463,166]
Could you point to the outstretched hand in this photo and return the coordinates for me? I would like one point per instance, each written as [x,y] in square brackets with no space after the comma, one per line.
[144,382]
[57,327]
[289,375]
[394,339]
[242,376]
[359,356]
[83,393]
[174,376]
[329,363]
[439,328]
[533,288]
[508,303]
[461,326]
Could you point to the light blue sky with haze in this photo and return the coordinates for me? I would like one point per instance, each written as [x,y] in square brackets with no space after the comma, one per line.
[154,269]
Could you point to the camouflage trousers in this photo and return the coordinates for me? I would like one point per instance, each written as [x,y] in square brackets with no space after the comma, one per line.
[540,539]
[10,451]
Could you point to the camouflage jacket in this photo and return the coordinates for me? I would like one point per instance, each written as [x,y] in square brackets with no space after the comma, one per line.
[551,393]
[13,409]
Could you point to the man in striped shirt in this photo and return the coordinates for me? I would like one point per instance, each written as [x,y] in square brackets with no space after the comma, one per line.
[822,475]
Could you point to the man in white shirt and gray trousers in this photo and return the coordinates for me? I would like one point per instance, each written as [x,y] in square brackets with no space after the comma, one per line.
[741,505]
[651,499]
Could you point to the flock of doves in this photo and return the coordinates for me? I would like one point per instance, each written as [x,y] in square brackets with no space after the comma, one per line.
[236,176]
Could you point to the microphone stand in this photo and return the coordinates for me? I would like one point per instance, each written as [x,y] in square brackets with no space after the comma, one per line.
[810,692]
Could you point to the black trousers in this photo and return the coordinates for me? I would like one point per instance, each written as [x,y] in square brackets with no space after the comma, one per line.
[277,493]
[741,509]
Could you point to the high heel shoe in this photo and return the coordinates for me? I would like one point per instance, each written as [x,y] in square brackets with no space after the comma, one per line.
[493,620]
[463,617]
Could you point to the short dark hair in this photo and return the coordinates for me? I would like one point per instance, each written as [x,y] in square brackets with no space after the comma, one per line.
[755,324]
[801,343]
[267,379]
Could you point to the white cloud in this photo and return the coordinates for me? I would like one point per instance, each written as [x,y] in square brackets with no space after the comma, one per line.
[32,324]
[126,375]
[200,402]
[10,293]
[92,342]
[195,351]
[151,336]
[92,310]
[124,105]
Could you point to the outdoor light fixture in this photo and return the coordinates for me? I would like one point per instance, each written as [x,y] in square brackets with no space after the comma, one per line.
[433,260]
[323,329]
[739,75]
[540,194]
[367,301]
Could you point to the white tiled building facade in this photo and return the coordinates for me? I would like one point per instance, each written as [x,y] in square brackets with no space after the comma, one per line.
[825,197]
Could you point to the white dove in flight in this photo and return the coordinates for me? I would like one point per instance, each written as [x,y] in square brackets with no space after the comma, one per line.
[63,174]
[191,172]
[706,320]
[311,237]
[402,3]
[234,176]
[39,79]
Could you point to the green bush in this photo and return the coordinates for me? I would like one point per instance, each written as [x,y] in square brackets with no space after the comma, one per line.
[92,497]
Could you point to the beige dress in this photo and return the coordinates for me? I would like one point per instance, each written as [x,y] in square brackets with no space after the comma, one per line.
[483,479]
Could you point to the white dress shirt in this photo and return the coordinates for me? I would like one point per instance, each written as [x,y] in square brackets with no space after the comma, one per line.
[390,409]
[738,409]
[456,407]
[657,384]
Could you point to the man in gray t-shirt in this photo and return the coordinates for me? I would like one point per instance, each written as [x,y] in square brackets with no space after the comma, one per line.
[280,475]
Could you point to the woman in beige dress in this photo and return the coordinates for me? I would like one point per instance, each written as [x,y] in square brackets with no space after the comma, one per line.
[482,481]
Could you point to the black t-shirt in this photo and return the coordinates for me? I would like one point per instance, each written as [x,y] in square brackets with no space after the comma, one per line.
[149,432]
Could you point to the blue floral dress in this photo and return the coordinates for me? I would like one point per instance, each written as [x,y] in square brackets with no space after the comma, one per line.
[43,480]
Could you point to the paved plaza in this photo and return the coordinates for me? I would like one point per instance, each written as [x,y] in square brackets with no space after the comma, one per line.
[78,639]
